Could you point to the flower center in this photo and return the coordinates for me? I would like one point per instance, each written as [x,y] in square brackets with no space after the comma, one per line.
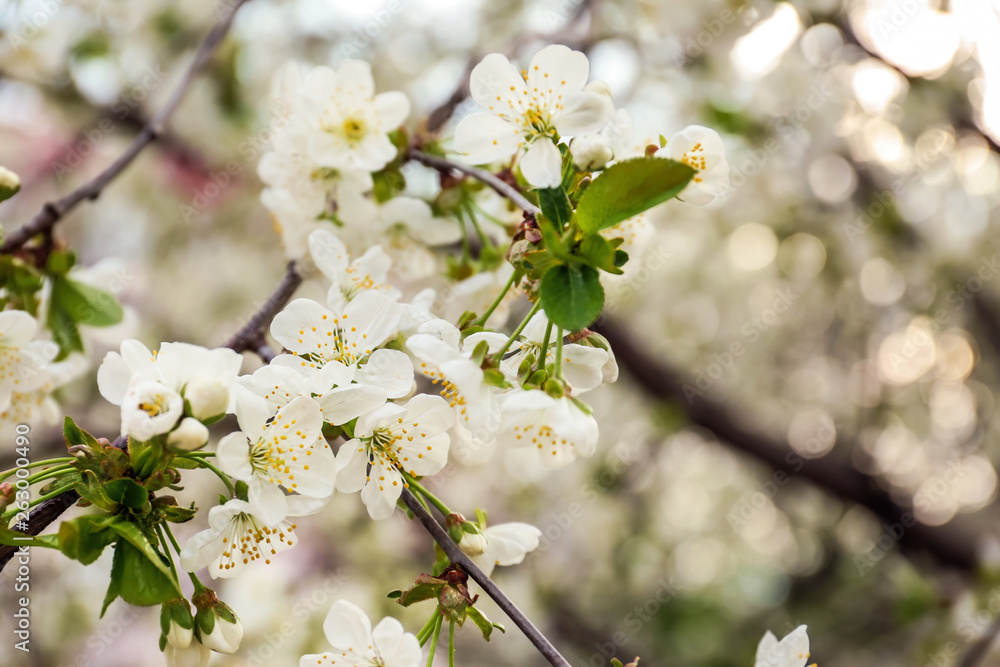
[156,407]
[247,541]
[695,158]
[354,130]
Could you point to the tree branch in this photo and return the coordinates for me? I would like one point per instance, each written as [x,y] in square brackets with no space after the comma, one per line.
[458,557]
[502,187]
[948,545]
[52,212]
[251,336]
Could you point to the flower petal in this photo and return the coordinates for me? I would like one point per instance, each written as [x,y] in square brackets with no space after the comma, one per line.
[482,138]
[542,165]
[346,626]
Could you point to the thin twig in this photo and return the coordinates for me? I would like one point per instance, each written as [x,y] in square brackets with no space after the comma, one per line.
[458,557]
[52,212]
[251,336]
[502,187]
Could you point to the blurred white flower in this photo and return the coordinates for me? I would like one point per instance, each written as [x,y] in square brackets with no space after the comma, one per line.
[506,544]
[318,336]
[282,449]
[349,124]
[792,651]
[194,655]
[701,149]
[22,360]
[406,227]
[354,642]
[238,536]
[527,111]
[412,438]
[557,427]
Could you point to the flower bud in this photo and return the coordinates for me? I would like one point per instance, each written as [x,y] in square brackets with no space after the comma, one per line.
[177,623]
[9,183]
[470,538]
[194,655]
[590,152]
[218,627]
[609,370]
[207,397]
[189,435]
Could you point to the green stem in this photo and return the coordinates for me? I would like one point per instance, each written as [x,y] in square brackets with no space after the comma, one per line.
[434,639]
[425,632]
[64,459]
[451,644]
[544,351]
[9,514]
[486,240]
[520,327]
[221,475]
[166,552]
[559,352]
[51,472]
[489,311]
[434,500]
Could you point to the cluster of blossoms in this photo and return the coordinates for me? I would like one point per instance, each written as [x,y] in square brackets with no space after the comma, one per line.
[402,369]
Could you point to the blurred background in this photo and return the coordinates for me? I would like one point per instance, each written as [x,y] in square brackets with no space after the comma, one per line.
[805,426]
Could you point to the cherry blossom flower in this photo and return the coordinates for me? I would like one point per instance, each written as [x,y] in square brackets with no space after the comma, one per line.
[394,438]
[318,336]
[407,226]
[581,366]
[528,110]
[506,544]
[284,450]
[557,427]
[238,536]
[349,278]
[22,360]
[349,123]
[792,651]
[332,386]
[151,387]
[354,642]
[701,149]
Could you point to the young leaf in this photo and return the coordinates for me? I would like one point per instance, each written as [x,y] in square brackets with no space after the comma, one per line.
[126,492]
[572,296]
[142,546]
[629,188]
[137,580]
[555,206]
[85,537]
[596,251]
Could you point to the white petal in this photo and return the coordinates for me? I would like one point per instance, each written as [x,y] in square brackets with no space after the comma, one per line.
[542,165]
[201,550]
[567,69]
[352,465]
[510,542]
[343,404]
[329,253]
[113,378]
[233,456]
[346,626]
[369,320]
[482,138]
[393,108]
[494,77]
[16,328]
[390,370]
[354,78]
[584,113]
[267,501]
[382,491]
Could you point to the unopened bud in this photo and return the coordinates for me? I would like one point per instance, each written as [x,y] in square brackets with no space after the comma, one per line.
[218,627]
[207,397]
[9,183]
[189,435]
[590,152]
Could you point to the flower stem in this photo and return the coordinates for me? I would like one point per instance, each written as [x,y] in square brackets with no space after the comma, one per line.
[519,329]
[559,353]
[486,240]
[166,552]
[434,640]
[489,311]
[434,500]
[543,354]
[425,632]
[451,644]
[64,459]
[466,248]
[51,472]
[221,475]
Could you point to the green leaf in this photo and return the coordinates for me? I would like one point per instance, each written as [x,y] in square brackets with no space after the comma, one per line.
[555,206]
[126,492]
[572,296]
[597,252]
[85,537]
[74,435]
[60,322]
[629,188]
[134,536]
[88,305]
[91,489]
[137,579]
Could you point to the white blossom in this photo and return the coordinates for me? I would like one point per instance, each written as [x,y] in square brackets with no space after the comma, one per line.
[526,111]
[282,449]
[701,149]
[506,544]
[349,278]
[556,427]
[189,435]
[792,651]
[411,438]
[355,643]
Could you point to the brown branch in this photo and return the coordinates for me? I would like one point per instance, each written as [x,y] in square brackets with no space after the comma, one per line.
[52,212]
[458,557]
[945,543]
[251,336]
[502,187]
